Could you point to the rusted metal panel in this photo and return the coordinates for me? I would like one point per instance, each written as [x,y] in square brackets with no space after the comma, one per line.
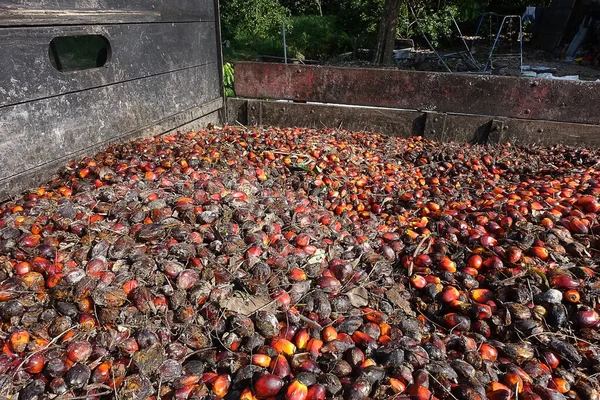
[475,129]
[511,97]
[389,122]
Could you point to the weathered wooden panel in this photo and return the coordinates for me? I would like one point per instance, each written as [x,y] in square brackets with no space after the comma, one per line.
[137,51]
[37,133]
[553,100]
[436,126]
[68,12]
[24,180]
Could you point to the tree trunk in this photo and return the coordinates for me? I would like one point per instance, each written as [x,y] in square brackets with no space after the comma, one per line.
[387,32]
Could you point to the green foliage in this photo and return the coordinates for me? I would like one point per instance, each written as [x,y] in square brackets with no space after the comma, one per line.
[228,79]
[245,20]
[360,21]
[254,26]
[468,10]
[316,38]
[436,24]
[302,7]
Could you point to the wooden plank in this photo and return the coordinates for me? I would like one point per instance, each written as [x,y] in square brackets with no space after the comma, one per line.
[553,100]
[68,12]
[448,127]
[37,133]
[137,51]
[32,17]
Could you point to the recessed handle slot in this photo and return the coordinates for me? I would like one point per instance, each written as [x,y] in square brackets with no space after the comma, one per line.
[78,53]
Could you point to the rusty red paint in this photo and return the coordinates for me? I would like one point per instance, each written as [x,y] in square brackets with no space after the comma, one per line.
[552,100]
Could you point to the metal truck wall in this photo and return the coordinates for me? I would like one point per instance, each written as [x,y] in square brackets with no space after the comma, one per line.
[161,72]
[438,106]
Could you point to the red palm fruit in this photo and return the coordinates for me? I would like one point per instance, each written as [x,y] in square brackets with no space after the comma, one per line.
[19,340]
[447,265]
[551,359]
[355,357]
[282,297]
[314,347]
[397,385]
[130,286]
[586,318]
[488,241]
[384,339]
[316,392]
[221,385]
[578,226]
[500,394]
[329,334]
[329,284]
[101,373]
[562,281]
[433,279]
[288,332]
[418,281]
[540,252]
[302,240]
[419,392]
[572,296]
[536,206]
[449,294]
[79,350]
[386,329]
[513,254]
[547,223]
[268,385]
[262,360]
[35,364]
[482,295]
[283,346]
[488,352]
[247,394]
[529,396]
[129,346]
[309,366]
[423,260]
[457,321]
[183,392]
[364,340]
[376,317]
[589,204]
[482,311]
[301,339]
[297,275]
[280,367]
[391,237]
[514,381]
[559,384]
[22,268]
[296,391]
[475,261]
[369,362]
[470,271]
